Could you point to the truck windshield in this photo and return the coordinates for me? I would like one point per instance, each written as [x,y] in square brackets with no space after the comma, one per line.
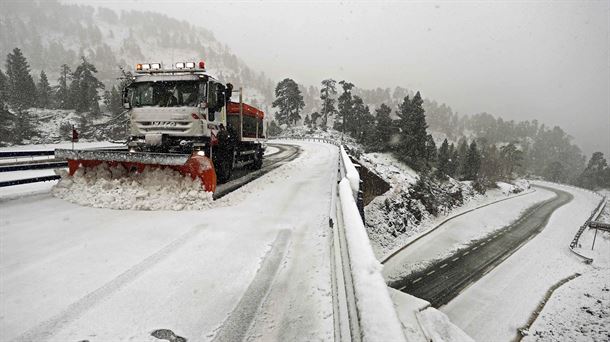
[167,94]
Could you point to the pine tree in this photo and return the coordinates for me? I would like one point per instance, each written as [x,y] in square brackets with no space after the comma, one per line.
[85,87]
[460,161]
[345,107]
[443,167]
[327,94]
[472,163]
[62,95]
[21,87]
[384,129]
[314,119]
[430,150]
[289,101]
[413,136]
[6,118]
[23,129]
[307,121]
[274,129]
[44,91]
[595,175]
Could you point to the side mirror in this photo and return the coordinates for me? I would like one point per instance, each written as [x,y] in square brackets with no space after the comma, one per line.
[211,116]
[220,96]
[229,91]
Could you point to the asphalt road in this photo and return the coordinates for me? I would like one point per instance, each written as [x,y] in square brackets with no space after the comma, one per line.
[446,278]
[243,176]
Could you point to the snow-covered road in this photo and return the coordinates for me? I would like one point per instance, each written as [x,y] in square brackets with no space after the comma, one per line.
[76,273]
[501,302]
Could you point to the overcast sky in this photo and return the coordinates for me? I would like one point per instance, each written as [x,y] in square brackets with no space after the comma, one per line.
[519,60]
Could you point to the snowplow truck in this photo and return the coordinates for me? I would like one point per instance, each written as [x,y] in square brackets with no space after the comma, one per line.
[182,118]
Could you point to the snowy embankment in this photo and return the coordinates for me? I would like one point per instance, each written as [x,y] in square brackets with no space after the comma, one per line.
[580,309]
[108,275]
[400,215]
[501,302]
[459,232]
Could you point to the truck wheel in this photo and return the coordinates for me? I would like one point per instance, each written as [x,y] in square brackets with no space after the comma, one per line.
[223,162]
[258,159]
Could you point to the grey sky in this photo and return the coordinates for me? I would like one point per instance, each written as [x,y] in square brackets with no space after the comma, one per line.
[519,60]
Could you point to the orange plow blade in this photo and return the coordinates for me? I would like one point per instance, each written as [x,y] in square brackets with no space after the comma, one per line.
[194,166]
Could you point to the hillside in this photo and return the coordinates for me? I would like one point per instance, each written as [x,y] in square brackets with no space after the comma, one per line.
[51,34]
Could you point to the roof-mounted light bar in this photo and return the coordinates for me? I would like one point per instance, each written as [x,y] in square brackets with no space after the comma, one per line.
[148,66]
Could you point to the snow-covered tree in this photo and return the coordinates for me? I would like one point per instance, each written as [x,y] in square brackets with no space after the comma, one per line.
[85,87]
[44,91]
[413,136]
[289,101]
[20,85]
[327,94]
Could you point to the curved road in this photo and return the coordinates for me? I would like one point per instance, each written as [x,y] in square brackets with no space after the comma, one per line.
[446,278]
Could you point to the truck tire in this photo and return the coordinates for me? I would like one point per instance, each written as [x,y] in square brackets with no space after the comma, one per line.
[258,159]
[223,163]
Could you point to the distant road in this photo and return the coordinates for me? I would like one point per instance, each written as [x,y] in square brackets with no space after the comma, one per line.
[445,279]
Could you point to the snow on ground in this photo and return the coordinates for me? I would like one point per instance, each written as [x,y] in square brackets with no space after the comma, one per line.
[501,302]
[580,309]
[577,311]
[400,215]
[458,232]
[115,188]
[100,274]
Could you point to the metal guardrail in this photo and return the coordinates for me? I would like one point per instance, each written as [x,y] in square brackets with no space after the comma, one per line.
[29,180]
[36,166]
[13,154]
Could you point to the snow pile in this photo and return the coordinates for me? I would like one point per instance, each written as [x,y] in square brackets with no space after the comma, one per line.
[378,318]
[519,185]
[115,188]
[438,327]
[577,311]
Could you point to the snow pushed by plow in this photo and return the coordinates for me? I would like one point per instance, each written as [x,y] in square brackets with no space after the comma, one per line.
[116,188]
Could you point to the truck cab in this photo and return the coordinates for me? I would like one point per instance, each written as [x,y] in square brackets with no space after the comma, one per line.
[175,110]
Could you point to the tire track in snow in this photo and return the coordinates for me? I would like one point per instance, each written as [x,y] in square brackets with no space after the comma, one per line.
[48,328]
[235,327]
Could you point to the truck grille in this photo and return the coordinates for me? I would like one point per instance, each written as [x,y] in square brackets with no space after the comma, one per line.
[164,126]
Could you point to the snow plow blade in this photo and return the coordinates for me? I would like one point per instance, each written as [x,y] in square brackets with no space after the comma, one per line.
[195,165]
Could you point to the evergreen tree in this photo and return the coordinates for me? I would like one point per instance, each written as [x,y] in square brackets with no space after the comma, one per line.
[6,118]
[21,87]
[314,119]
[327,94]
[44,91]
[412,145]
[443,162]
[461,152]
[23,129]
[454,161]
[510,159]
[289,101]
[307,121]
[85,87]
[274,129]
[345,107]
[430,150]
[384,129]
[113,101]
[62,95]
[472,163]
[595,175]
